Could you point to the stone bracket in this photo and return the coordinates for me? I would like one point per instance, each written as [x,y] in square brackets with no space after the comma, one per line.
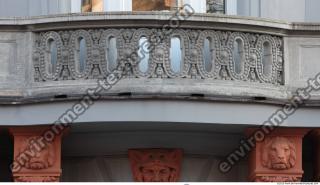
[37,154]
[278,158]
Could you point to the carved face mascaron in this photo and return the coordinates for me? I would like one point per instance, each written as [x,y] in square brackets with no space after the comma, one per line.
[155,165]
[40,159]
[278,153]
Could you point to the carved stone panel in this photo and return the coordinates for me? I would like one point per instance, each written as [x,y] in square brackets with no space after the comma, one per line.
[41,158]
[278,158]
[279,153]
[155,165]
[236,56]
[36,159]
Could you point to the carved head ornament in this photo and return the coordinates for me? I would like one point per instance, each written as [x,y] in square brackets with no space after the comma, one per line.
[156,165]
[278,153]
[41,154]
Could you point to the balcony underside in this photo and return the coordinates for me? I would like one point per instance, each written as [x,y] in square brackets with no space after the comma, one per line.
[153,111]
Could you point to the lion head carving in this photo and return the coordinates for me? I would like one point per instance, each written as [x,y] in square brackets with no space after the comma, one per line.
[155,165]
[37,159]
[278,153]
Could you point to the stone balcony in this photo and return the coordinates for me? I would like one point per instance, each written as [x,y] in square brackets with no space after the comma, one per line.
[207,57]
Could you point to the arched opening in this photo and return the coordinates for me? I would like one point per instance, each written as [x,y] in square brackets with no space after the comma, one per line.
[81,55]
[238,55]
[175,54]
[144,54]
[267,58]
[52,56]
[112,53]
[208,55]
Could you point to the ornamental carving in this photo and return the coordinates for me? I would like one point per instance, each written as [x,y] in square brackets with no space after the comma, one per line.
[156,165]
[279,153]
[36,179]
[37,157]
[278,179]
[203,54]
[42,157]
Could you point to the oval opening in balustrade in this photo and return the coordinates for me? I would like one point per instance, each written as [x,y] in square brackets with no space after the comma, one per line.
[267,58]
[81,55]
[238,55]
[175,54]
[209,54]
[52,56]
[112,53]
[144,54]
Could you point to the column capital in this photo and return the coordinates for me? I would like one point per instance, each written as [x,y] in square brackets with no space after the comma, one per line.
[37,153]
[278,156]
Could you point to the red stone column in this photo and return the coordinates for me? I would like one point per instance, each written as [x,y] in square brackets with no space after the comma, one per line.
[156,165]
[37,153]
[278,158]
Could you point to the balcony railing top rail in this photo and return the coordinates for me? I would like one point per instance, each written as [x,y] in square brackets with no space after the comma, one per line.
[143,15]
[154,19]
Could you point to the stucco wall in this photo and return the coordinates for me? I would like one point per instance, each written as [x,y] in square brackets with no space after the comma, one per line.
[289,10]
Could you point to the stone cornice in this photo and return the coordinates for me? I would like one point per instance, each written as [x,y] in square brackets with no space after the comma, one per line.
[136,18]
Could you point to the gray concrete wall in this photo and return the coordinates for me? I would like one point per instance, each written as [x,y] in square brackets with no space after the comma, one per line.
[34,7]
[288,10]
[312,11]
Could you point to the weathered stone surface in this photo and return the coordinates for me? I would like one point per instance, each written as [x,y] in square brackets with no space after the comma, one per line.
[17,84]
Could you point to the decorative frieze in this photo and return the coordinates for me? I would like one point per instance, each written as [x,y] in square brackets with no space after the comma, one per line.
[205,54]
[155,165]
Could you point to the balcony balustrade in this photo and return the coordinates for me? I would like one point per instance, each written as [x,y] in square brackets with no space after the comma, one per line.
[184,54]
[211,56]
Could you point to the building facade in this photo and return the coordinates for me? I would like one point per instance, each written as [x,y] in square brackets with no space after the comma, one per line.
[159,90]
